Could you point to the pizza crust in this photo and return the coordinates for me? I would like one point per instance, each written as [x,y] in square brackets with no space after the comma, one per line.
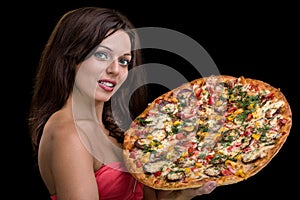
[250,168]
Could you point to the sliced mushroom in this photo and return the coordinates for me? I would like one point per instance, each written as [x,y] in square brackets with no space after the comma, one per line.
[213,171]
[152,167]
[175,176]
[251,156]
[245,142]
[159,134]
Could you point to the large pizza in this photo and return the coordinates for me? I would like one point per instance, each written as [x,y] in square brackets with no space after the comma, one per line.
[220,128]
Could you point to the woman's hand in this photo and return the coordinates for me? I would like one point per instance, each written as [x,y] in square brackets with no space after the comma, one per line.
[186,194]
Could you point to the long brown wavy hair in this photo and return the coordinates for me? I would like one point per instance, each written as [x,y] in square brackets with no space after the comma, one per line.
[75,35]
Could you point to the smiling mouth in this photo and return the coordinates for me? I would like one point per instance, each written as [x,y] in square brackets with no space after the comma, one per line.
[108,84]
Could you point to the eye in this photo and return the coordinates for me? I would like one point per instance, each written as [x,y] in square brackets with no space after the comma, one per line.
[124,61]
[102,55]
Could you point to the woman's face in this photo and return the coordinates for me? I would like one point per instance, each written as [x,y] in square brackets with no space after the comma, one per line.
[100,75]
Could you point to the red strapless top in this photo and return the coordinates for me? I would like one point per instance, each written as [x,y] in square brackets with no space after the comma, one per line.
[115,183]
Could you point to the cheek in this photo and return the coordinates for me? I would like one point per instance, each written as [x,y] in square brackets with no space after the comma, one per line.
[90,69]
[124,76]
[87,76]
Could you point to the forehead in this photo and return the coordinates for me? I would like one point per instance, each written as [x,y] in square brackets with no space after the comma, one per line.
[118,42]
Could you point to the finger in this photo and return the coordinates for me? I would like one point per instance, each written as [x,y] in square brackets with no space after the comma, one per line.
[206,188]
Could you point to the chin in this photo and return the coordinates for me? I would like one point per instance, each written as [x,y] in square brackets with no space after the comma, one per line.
[102,99]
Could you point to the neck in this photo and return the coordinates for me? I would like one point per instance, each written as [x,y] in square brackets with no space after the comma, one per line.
[85,108]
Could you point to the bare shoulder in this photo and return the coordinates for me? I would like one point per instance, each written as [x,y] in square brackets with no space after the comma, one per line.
[60,133]
[64,161]
[60,124]
[59,146]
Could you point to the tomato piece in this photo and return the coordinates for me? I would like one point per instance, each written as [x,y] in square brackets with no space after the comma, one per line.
[226,172]
[209,157]
[158,173]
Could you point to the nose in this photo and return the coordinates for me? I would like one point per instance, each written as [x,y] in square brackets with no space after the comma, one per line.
[113,67]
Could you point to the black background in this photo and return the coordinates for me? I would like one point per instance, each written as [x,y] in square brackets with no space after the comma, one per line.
[251,39]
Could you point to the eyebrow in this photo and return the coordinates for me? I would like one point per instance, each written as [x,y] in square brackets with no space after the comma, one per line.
[105,47]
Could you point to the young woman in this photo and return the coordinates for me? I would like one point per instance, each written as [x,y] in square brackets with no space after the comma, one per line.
[75,129]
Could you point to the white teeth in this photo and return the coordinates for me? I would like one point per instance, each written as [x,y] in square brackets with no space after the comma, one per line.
[107,84]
